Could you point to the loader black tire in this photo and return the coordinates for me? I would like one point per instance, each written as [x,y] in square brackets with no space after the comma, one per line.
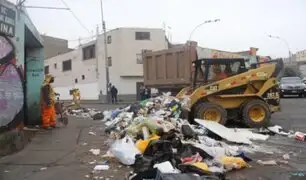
[256,113]
[202,108]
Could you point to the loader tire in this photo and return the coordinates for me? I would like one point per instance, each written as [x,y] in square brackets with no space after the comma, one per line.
[211,112]
[256,113]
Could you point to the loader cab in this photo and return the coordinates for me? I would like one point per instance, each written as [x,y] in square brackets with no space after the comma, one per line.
[211,70]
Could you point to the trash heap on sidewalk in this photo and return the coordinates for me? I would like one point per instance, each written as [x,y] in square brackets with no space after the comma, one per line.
[153,138]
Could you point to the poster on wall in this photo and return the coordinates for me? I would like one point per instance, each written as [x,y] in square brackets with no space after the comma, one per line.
[11,86]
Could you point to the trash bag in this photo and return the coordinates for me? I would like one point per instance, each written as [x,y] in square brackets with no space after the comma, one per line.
[144,103]
[85,110]
[233,162]
[134,108]
[124,150]
[143,163]
[157,147]
[187,150]
[199,168]
[98,116]
[187,176]
[172,137]
[149,174]
[115,113]
[187,131]
[160,151]
[143,144]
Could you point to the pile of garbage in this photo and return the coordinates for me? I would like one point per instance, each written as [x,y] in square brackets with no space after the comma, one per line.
[153,138]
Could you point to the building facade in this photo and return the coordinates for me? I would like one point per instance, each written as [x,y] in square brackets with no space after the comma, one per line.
[54,46]
[21,68]
[300,58]
[84,67]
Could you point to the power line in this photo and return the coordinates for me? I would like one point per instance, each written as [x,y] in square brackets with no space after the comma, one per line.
[42,7]
[80,22]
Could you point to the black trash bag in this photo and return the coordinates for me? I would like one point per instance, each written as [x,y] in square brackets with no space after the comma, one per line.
[157,147]
[145,175]
[143,163]
[98,116]
[110,129]
[85,110]
[187,131]
[188,168]
[160,151]
[134,108]
[172,137]
[188,150]
[186,176]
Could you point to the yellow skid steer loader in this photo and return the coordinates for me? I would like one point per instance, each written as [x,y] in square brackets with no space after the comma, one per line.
[225,89]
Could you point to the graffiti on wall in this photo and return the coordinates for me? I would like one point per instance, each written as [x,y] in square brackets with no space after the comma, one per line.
[11,86]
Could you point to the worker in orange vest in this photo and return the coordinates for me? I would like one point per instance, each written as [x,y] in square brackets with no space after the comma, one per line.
[47,102]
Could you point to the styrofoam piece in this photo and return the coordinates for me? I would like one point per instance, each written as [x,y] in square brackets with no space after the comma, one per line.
[231,135]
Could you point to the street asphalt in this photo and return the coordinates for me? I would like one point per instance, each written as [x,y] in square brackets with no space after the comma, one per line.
[63,153]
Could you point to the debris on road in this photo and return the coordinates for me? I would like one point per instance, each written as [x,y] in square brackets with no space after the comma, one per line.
[95,151]
[92,133]
[43,168]
[152,136]
[267,163]
[300,136]
[286,156]
[101,167]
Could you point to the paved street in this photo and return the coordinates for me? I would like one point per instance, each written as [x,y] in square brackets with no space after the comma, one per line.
[62,155]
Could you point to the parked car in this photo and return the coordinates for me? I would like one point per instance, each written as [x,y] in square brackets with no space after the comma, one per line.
[304,80]
[292,86]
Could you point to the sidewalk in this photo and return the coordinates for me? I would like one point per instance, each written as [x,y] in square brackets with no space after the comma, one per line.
[60,154]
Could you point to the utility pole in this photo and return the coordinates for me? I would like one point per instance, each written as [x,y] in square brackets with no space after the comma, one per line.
[105,53]
[97,53]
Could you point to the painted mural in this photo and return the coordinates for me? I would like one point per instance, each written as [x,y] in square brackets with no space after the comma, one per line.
[11,87]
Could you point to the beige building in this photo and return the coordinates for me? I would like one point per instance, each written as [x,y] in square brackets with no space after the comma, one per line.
[84,68]
[301,56]
[54,46]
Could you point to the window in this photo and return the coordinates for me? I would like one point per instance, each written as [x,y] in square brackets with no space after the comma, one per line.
[67,65]
[89,52]
[76,81]
[109,39]
[142,35]
[83,77]
[109,61]
[46,69]
[55,66]
[139,58]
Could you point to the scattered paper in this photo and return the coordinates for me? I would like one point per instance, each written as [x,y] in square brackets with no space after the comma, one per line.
[101,167]
[95,151]
[43,168]
[267,163]
[286,156]
[92,162]
[92,133]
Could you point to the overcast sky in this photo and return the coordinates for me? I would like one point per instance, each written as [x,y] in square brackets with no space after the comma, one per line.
[244,23]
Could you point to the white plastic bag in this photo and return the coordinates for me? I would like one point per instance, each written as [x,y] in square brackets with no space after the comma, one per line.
[124,150]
